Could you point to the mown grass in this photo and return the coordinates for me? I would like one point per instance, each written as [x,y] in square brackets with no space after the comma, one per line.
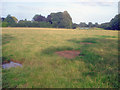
[95,67]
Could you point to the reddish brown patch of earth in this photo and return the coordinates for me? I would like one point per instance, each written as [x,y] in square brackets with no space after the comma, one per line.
[70,54]
[6,61]
[16,61]
[85,43]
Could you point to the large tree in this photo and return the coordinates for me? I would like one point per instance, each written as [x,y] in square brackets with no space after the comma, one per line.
[15,19]
[90,24]
[105,25]
[39,18]
[83,24]
[96,25]
[11,20]
[114,24]
[74,25]
[60,19]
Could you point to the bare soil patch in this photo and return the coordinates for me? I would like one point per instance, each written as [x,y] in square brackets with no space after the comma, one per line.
[69,54]
[16,61]
[6,61]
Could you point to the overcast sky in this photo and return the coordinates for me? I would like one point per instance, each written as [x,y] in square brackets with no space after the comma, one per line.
[80,10]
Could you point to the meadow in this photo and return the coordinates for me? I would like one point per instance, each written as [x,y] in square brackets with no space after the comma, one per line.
[95,67]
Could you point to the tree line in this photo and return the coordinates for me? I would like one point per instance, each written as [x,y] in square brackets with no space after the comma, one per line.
[114,24]
[57,20]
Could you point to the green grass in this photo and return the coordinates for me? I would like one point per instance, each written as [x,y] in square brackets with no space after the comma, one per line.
[104,36]
[95,67]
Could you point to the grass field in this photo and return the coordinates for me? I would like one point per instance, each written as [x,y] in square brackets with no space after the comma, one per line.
[42,68]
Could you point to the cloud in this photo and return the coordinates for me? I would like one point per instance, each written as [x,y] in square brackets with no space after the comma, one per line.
[95,3]
[89,12]
[60,0]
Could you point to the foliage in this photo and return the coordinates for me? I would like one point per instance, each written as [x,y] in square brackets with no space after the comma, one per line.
[83,24]
[96,25]
[58,20]
[90,24]
[74,25]
[114,24]
[61,19]
[10,20]
[4,24]
[15,19]
[39,18]
[105,25]
[25,23]
[2,19]
[45,24]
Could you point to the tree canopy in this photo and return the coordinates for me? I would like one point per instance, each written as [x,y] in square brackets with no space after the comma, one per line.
[60,19]
[114,24]
[39,18]
[57,20]
[9,21]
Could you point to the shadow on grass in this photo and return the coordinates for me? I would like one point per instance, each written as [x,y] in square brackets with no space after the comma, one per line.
[88,40]
[51,50]
[104,36]
[7,38]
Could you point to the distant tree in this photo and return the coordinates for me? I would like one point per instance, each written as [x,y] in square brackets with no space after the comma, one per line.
[15,19]
[90,24]
[56,19]
[61,19]
[83,24]
[0,22]
[35,24]
[96,25]
[39,18]
[2,19]
[4,24]
[74,25]
[67,19]
[105,25]
[115,23]
[24,23]
[49,19]
[10,20]
[45,24]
